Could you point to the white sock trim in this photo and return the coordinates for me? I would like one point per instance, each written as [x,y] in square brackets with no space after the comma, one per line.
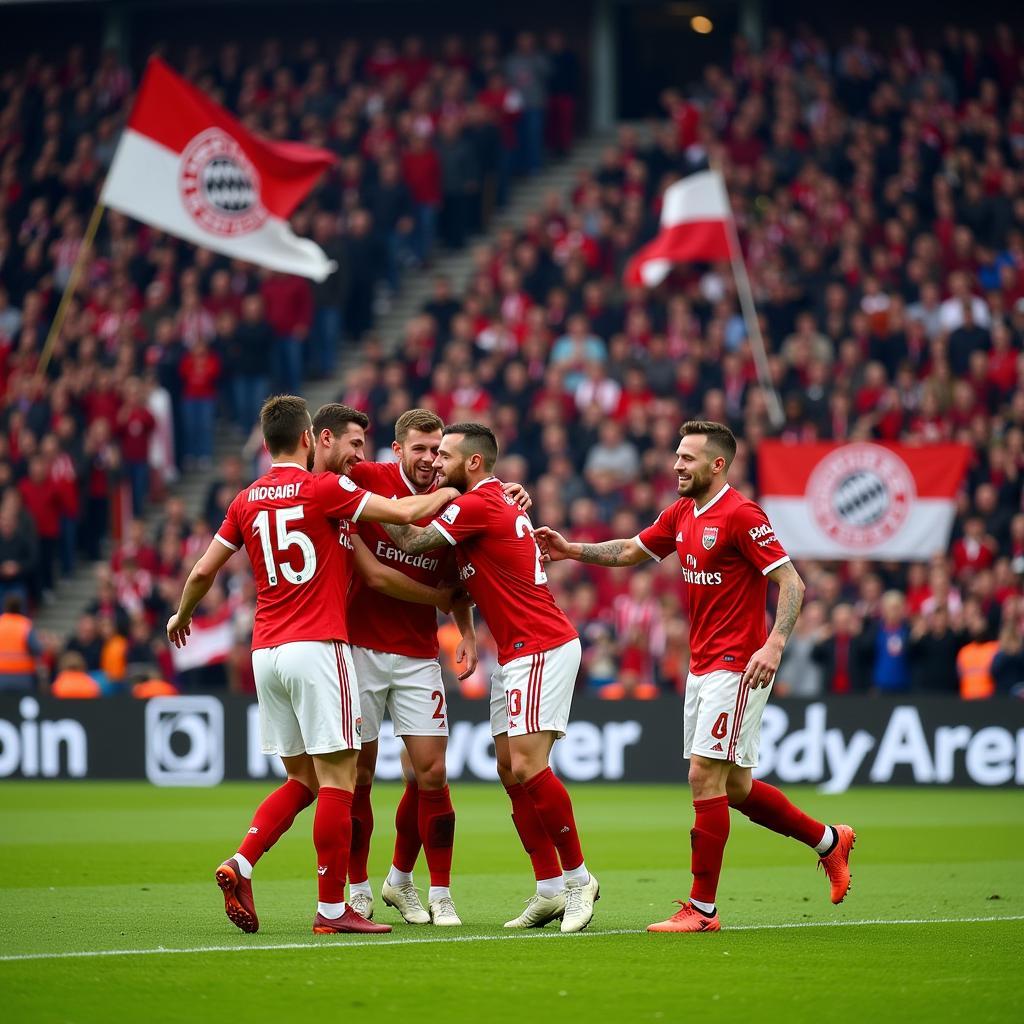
[704,908]
[332,911]
[439,892]
[826,841]
[360,887]
[396,877]
[549,888]
[243,865]
[580,874]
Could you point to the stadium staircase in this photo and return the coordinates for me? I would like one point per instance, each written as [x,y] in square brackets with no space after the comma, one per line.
[74,593]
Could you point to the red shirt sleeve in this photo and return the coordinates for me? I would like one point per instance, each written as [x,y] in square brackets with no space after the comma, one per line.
[465,517]
[659,539]
[339,497]
[230,532]
[755,538]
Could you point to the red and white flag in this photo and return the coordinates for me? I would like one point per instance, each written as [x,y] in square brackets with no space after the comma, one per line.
[188,167]
[210,642]
[840,501]
[694,227]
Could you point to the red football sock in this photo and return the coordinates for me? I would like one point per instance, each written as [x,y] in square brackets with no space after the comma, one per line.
[407,828]
[707,840]
[540,849]
[765,805]
[273,818]
[554,808]
[332,837]
[362,829]
[437,832]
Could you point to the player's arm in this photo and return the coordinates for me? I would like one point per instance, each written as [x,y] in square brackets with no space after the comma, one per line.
[764,663]
[396,584]
[405,511]
[462,613]
[197,586]
[555,548]
[415,539]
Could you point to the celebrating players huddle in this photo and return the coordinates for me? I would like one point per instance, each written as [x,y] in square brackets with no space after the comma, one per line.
[352,560]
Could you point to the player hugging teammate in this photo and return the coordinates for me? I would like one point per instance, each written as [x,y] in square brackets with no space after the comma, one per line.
[409,517]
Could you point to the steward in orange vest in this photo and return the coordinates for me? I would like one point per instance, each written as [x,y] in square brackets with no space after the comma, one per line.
[19,648]
[73,682]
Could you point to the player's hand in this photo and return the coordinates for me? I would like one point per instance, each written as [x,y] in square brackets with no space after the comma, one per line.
[466,652]
[179,629]
[519,494]
[761,668]
[553,546]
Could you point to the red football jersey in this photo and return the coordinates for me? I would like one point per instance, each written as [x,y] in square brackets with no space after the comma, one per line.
[294,527]
[375,620]
[499,563]
[726,549]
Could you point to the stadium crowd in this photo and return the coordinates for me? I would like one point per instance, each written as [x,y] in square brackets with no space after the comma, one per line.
[878,191]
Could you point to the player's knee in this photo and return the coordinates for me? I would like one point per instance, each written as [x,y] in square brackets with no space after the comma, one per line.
[737,790]
[364,775]
[431,774]
[525,766]
[705,779]
[505,775]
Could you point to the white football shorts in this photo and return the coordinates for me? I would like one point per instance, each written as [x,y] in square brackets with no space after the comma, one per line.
[308,698]
[411,689]
[534,693]
[722,718]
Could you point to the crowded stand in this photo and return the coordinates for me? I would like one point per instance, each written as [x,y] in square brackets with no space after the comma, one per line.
[878,188]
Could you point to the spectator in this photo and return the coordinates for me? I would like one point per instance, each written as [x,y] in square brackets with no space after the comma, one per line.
[135,424]
[1007,667]
[42,500]
[974,662]
[20,649]
[421,169]
[329,298]
[87,643]
[934,646]
[200,371]
[19,553]
[527,71]
[73,681]
[288,302]
[799,673]
[891,656]
[249,353]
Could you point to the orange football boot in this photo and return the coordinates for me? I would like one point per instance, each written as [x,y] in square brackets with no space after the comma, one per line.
[837,864]
[238,901]
[687,919]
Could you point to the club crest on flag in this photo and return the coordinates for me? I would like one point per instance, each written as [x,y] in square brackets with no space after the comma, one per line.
[709,537]
[219,185]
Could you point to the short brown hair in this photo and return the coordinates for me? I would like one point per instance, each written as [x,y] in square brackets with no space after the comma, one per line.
[335,417]
[426,421]
[477,440]
[283,419]
[719,436]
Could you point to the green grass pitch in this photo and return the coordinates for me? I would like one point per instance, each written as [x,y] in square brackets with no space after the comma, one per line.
[934,926]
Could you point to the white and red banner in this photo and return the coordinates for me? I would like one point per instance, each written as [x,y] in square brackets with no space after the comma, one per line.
[839,501]
[186,166]
[694,227]
[209,643]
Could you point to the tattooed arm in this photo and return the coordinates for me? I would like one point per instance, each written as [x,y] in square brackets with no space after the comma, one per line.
[415,539]
[554,548]
[763,664]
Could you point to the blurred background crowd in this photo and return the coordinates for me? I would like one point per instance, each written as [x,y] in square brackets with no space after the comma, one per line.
[878,186]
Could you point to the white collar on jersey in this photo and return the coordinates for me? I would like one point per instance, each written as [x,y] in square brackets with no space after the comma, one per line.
[408,482]
[489,480]
[288,465]
[704,508]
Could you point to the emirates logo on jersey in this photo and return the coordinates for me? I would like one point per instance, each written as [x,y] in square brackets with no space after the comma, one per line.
[709,537]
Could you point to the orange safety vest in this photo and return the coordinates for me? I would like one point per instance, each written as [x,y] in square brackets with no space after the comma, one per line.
[72,684]
[975,664]
[154,688]
[15,657]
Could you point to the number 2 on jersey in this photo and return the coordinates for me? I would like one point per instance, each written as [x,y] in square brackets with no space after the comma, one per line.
[524,527]
[285,539]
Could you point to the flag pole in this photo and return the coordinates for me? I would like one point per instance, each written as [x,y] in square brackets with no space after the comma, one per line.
[69,289]
[746,297]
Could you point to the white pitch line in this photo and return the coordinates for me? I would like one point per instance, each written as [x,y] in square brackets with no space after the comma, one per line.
[374,943]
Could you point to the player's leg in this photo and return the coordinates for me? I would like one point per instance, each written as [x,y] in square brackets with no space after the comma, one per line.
[280,734]
[372,680]
[769,807]
[320,680]
[418,710]
[539,692]
[709,711]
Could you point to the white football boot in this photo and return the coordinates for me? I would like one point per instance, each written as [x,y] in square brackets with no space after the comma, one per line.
[443,913]
[539,911]
[362,904]
[580,898]
[406,900]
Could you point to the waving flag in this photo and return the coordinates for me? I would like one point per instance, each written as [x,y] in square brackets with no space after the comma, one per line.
[694,216]
[186,166]
[842,501]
